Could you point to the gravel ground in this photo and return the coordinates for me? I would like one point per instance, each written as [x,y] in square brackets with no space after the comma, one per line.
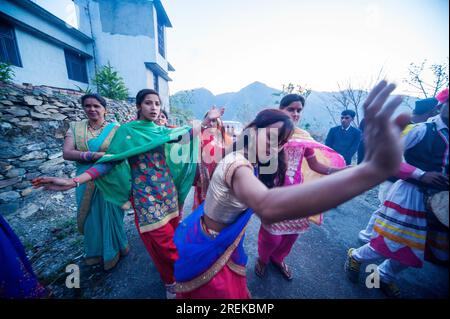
[52,242]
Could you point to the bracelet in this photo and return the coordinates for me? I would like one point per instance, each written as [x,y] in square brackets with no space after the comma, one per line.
[421,175]
[76,180]
[87,156]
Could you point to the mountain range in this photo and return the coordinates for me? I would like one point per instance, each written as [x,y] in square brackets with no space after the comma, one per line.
[320,114]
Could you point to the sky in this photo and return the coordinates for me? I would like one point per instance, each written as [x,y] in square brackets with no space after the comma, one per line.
[225,45]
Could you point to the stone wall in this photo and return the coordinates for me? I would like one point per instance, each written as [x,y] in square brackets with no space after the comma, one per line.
[33,122]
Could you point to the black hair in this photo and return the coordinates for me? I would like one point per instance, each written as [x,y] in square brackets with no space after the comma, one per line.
[350,113]
[264,119]
[291,98]
[165,113]
[96,96]
[140,96]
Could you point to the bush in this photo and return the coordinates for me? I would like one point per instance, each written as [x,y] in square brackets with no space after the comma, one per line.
[110,84]
[6,72]
[180,116]
[88,90]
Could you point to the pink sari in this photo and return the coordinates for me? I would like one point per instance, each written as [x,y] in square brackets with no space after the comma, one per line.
[299,172]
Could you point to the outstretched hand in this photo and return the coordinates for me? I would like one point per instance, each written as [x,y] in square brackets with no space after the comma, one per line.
[53,183]
[214,113]
[384,148]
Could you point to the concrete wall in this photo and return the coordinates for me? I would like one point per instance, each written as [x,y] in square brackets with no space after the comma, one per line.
[164,93]
[125,34]
[13,10]
[163,88]
[162,61]
[43,63]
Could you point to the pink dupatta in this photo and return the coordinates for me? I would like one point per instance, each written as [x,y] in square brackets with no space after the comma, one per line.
[298,172]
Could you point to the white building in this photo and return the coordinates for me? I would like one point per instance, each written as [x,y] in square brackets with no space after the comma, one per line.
[45,50]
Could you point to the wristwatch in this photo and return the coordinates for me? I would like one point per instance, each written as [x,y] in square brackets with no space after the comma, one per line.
[76,180]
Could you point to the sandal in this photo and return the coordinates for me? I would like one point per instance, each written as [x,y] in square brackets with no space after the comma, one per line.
[260,268]
[284,270]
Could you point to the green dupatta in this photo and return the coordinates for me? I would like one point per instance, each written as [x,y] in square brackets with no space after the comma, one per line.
[139,137]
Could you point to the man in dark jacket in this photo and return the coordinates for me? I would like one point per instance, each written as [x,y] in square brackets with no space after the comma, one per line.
[345,138]
[361,148]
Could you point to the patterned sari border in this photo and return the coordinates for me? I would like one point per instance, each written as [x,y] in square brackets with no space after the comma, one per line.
[85,204]
[162,222]
[212,271]
[238,269]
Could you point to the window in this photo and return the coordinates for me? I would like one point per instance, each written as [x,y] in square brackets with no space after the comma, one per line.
[76,66]
[161,45]
[9,52]
[155,82]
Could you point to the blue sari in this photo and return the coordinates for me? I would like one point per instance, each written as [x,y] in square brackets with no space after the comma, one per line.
[17,279]
[100,221]
[202,257]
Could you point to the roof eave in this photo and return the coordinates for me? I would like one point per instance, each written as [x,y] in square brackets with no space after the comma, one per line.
[48,16]
[155,67]
[160,9]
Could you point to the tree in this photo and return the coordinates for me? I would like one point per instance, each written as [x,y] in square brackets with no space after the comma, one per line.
[181,99]
[6,72]
[417,72]
[351,96]
[180,114]
[291,88]
[110,84]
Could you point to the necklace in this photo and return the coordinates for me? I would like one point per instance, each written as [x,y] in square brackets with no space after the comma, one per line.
[95,132]
[96,129]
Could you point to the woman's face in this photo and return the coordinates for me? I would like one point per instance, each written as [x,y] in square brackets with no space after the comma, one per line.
[162,119]
[294,110]
[267,146]
[150,108]
[94,110]
[213,124]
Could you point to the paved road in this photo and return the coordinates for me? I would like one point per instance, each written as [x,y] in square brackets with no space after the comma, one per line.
[317,260]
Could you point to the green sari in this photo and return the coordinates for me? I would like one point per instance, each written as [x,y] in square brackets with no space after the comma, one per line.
[139,137]
[100,221]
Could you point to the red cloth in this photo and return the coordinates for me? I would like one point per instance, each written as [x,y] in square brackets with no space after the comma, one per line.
[161,247]
[212,150]
[225,285]
[274,247]
[442,96]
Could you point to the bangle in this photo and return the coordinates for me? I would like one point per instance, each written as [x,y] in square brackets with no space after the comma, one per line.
[87,156]
[421,175]
[76,180]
